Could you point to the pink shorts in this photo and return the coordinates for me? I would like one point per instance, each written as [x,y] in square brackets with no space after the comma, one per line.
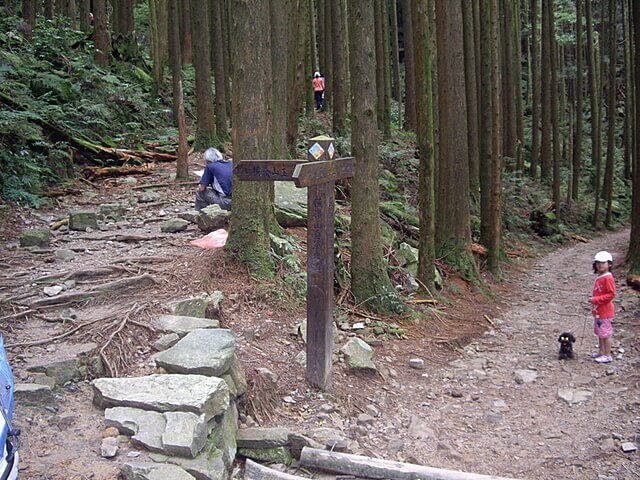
[603,327]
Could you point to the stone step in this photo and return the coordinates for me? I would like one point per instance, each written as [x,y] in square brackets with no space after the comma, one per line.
[208,396]
[181,324]
[204,352]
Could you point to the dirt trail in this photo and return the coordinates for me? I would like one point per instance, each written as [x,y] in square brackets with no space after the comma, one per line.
[477,417]
[465,412]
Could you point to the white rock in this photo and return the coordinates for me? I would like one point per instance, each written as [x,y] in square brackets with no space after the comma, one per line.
[52,291]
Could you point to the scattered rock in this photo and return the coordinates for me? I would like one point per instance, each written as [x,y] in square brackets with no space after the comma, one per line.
[35,237]
[64,255]
[52,291]
[190,216]
[364,419]
[416,363]
[111,211]
[70,362]
[525,376]
[148,197]
[83,219]
[358,355]
[109,447]
[165,342]
[420,429]
[571,395]
[174,225]
[628,447]
[261,438]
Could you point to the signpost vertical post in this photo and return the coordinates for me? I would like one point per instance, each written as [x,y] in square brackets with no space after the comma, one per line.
[320,268]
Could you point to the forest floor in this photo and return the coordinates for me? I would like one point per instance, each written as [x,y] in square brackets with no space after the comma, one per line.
[475,406]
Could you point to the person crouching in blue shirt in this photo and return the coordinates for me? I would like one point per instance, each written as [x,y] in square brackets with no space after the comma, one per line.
[216,182]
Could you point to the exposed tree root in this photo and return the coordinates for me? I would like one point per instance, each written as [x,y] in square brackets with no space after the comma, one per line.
[83,274]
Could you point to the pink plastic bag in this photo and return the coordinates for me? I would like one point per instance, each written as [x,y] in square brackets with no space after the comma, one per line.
[216,239]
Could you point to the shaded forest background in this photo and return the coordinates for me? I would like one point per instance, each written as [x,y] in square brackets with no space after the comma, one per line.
[472,121]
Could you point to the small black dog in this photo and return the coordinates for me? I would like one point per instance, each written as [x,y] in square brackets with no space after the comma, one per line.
[566,340]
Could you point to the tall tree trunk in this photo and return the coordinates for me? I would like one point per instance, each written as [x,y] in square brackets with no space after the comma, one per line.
[182,169]
[409,69]
[159,49]
[386,126]
[370,282]
[280,11]
[611,114]
[471,90]
[29,16]
[577,138]
[395,57]
[535,90]
[555,114]
[100,37]
[48,9]
[205,126]
[298,40]
[633,254]
[339,70]
[379,44]
[252,215]
[509,124]
[84,9]
[219,72]
[517,68]
[595,107]
[629,101]
[546,130]
[453,235]
[185,33]
[328,55]
[72,12]
[422,61]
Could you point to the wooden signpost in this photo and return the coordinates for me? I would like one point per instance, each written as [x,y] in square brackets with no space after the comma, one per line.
[319,174]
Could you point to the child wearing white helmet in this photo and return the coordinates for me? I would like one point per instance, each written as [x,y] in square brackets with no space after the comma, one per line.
[602,309]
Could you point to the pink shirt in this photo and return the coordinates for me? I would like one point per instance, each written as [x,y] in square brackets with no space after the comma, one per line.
[604,291]
[318,84]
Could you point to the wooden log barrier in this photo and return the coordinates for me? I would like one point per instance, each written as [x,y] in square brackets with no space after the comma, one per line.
[255,471]
[368,467]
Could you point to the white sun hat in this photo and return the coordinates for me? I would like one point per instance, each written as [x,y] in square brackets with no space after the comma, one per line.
[603,256]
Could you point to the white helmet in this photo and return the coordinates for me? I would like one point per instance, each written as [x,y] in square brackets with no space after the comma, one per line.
[603,256]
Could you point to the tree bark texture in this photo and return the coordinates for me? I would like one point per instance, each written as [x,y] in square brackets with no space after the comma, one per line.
[577,137]
[386,55]
[185,32]
[370,282]
[339,68]
[84,9]
[379,66]
[252,215]
[630,100]
[29,16]
[281,50]
[217,50]
[158,10]
[422,61]
[633,255]
[48,9]
[178,100]
[409,69]
[395,56]
[534,84]
[507,54]
[100,36]
[611,114]
[297,92]
[471,90]
[205,125]
[555,113]
[546,128]
[453,235]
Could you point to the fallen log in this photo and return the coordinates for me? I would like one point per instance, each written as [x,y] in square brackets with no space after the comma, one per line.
[255,471]
[368,467]
[83,274]
[93,173]
[117,286]
[132,155]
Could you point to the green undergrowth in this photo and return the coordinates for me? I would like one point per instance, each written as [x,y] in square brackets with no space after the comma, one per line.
[52,93]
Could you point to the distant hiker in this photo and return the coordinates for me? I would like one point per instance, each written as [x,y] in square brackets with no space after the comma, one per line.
[604,291]
[216,182]
[318,90]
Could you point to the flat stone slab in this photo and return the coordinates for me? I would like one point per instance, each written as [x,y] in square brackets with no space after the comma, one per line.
[204,352]
[571,395]
[182,324]
[208,465]
[185,434]
[262,437]
[33,393]
[525,376]
[64,363]
[144,427]
[154,471]
[164,393]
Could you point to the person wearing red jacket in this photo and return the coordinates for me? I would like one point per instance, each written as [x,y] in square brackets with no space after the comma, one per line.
[604,291]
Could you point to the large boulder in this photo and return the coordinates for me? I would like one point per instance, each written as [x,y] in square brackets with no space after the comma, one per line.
[212,218]
[182,325]
[204,352]
[164,393]
[290,204]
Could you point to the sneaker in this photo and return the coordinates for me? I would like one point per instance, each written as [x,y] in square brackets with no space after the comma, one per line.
[595,354]
[604,359]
